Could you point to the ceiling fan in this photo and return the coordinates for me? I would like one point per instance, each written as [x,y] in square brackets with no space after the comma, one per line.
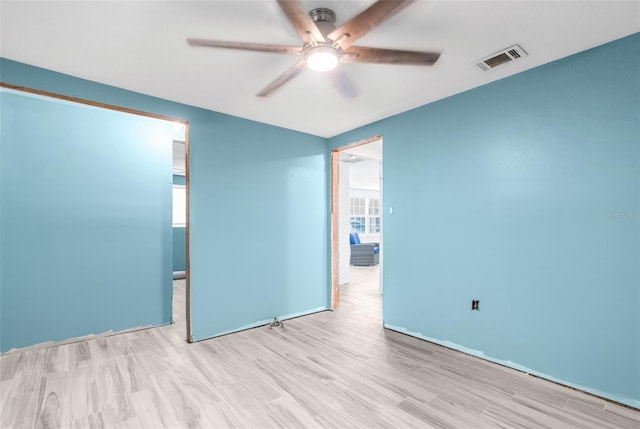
[324,45]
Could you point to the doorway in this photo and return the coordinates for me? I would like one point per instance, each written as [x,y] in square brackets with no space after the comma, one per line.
[357,192]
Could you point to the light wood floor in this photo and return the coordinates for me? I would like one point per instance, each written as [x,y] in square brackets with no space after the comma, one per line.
[332,369]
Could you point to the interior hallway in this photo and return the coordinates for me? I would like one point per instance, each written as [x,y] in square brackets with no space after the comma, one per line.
[332,369]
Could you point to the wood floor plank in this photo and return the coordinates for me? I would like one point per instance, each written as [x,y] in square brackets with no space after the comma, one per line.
[633,417]
[134,375]
[422,413]
[53,409]
[287,412]
[590,412]
[224,416]
[8,366]
[79,354]
[116,403]
[340,417]
[187,397]
[19,411]
[56,359]
[460,417]
[85,399]
[148,411]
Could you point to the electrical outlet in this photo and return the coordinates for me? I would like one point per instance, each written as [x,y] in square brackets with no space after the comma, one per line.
[475,304]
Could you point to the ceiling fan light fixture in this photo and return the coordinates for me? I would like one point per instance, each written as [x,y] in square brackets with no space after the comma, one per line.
[325,46]
[322,58]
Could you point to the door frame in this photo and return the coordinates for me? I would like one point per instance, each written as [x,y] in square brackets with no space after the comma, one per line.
[187,168]
[335,217]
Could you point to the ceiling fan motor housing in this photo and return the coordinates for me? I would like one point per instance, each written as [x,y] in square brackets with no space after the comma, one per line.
[325,19]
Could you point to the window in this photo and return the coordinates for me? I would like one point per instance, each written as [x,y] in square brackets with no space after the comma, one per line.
[365,215]
[374,216]
[179,205]
[358,211]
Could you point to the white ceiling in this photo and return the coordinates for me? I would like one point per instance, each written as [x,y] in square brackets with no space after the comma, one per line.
[140,46]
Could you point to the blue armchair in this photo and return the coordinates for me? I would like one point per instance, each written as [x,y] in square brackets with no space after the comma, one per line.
[363,253]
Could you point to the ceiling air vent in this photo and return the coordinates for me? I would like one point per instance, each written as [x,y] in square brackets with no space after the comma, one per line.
[506,55]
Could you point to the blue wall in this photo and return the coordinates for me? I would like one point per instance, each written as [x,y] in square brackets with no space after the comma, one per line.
[179,180]
[266,203]
[179,237]
[259,224]
[524,194]
[86,209]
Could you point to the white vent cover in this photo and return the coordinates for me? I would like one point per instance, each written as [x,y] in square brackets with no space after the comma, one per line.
[507,55]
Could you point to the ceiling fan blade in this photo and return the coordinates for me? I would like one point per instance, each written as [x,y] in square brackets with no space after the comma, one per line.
[342,83]
[301,21]
[360,54]
[347,34]
[261,47]
[285,77]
